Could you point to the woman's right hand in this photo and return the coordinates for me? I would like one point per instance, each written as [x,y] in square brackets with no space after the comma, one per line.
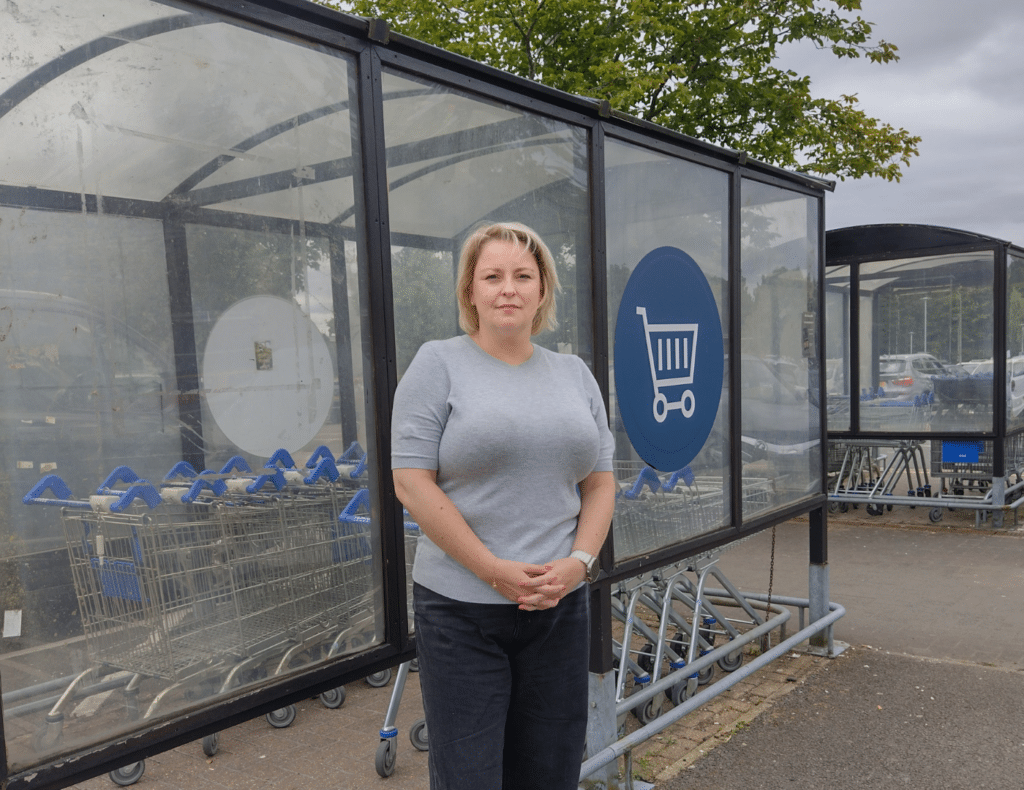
[510,578]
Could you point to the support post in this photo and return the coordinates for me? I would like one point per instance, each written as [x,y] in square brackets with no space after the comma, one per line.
[821,643]
[602,730]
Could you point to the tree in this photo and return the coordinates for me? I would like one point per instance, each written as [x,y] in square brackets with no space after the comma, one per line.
[707,68]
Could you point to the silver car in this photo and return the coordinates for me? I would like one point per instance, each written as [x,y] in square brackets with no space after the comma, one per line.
[906,376]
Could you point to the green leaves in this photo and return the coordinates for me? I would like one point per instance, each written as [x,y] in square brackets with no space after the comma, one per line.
[707,68]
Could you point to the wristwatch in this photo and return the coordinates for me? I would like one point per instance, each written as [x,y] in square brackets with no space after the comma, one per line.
[589,562]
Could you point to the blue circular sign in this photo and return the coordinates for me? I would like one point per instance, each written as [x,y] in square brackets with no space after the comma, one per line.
[669,359]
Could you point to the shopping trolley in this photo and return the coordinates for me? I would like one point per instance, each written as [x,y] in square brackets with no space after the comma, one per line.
[672,354]
[209,578]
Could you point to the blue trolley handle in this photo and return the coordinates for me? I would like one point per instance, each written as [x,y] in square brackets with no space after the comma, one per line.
[646,477]
[281,459]
[144,491]
[181,469]
[122,474]
[360,468]
[686,474]
[216,486]
[325,468]
[353,452]
[321,453]
[276,478]
[60,490]
[236,464]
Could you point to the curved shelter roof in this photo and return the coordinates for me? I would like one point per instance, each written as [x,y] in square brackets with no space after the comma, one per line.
[877,242]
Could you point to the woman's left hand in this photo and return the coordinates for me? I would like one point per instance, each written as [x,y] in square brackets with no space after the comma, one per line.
[545,590]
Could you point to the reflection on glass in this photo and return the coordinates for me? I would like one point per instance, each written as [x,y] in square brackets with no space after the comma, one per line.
[1014,350]
[454,161]
[779,364]
[654,200]
[837,347]
[926,344]
[188,309]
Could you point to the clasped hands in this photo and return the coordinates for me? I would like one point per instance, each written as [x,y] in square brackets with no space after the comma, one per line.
[536,587]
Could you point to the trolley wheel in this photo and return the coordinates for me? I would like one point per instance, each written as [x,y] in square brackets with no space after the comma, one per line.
[379,679]
[418,735]
[649,711]
[333,698]
[844,507]
[731,663]
[211,744]
[646,658]
[705,675]
[387,754]
[414,665]
[680,692]
[128,774]
[282,717]
[874,509]
[833,507]
[935,515]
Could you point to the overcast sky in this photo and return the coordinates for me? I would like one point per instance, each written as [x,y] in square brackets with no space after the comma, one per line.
[959,85]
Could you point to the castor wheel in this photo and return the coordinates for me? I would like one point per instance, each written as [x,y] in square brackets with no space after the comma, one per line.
[211,744]
[128,774]
[874,509]
[650,710]
[379,679]
[418,735]
[333,698]
[731,662]
[935,515]
[646,658]
[387,755]
[282,717]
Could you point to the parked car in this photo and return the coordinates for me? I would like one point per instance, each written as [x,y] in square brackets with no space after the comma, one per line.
[905,376]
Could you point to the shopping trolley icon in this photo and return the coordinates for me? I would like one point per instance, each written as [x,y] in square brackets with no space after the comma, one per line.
[672,353]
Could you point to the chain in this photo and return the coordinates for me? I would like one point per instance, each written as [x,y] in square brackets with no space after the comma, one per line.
[766,640]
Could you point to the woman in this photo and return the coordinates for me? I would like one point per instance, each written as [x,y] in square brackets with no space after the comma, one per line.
[502,454]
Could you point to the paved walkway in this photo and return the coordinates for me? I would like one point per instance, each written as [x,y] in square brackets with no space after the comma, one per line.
[928,695]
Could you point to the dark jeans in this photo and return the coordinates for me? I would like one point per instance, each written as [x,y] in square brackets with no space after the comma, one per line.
[504,692]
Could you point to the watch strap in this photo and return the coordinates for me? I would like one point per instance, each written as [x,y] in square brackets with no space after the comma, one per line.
[589,562]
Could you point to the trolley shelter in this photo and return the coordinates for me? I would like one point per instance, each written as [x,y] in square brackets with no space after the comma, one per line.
[225,229]
[924,368]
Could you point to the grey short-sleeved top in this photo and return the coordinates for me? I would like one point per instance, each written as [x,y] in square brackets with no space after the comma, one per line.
[509,444]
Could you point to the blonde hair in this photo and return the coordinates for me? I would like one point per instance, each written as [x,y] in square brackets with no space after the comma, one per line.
[521,236]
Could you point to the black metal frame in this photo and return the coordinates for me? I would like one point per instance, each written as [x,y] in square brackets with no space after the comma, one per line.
[375,47]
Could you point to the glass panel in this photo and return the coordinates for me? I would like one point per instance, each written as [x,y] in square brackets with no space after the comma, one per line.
[654,201]
[456,160]
[779,367]
[170,292]
[926,334]
[837,347]
[1015,353]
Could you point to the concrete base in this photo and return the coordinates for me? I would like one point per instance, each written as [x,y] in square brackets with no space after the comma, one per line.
[838,648]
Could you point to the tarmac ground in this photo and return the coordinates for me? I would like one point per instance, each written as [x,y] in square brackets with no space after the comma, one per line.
[930,692]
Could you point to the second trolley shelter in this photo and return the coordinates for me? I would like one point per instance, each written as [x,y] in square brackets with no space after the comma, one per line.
[932,347]
[330,181]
